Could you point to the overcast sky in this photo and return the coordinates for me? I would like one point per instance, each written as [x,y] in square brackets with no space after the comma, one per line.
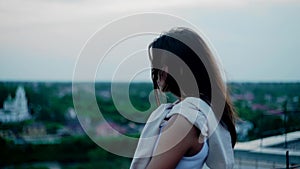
[40,40]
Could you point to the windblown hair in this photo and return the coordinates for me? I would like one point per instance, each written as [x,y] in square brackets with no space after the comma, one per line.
[192,69]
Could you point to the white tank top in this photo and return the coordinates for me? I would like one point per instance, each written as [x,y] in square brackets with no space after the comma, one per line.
[196,161]
[192,162]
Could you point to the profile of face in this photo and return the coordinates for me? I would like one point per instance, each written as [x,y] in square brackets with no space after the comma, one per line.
[162,77]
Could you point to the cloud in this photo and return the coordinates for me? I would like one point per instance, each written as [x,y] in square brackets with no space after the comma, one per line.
[50,33]
[15,12]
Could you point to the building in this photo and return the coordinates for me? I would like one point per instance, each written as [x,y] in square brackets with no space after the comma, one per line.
[110,129]
[242,128]
[269,152]
[35,130]
[15,109]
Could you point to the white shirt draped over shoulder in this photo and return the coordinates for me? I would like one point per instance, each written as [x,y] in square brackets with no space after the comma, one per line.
[200,114]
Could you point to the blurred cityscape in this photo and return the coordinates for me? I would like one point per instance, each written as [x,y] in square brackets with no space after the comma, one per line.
[39,127]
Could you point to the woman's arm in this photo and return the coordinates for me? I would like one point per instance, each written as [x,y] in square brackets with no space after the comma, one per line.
[178,137]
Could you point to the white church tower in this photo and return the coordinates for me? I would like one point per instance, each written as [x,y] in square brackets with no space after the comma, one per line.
[15,110]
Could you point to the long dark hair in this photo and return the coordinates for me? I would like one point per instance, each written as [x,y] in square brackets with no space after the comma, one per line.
[184,51]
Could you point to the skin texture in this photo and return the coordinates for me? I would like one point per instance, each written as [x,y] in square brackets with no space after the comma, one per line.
[182,134]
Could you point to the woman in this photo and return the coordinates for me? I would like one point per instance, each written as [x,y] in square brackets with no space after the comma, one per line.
[199,127]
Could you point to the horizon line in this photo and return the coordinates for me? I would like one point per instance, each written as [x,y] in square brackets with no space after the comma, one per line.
[107,81]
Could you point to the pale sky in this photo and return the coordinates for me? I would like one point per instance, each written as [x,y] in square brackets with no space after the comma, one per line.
[256,40]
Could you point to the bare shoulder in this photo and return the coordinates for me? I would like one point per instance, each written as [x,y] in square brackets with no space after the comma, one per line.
[186,131]
[176,140]
[179,123]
